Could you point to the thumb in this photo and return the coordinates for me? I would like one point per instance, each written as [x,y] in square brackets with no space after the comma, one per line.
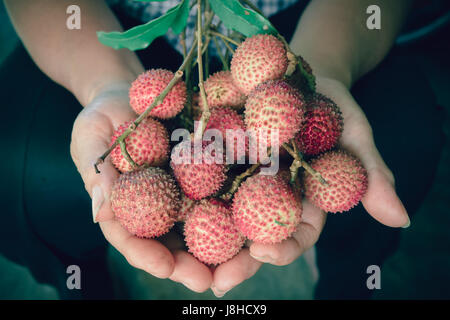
[89,140]
[381,200]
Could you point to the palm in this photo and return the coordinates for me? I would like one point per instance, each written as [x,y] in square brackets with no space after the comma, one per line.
[165,257]
[380,201]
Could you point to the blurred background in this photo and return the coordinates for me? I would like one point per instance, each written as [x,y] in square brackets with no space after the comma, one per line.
[418,270]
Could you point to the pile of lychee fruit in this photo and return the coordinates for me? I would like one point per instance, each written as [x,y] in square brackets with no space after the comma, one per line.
[154,192]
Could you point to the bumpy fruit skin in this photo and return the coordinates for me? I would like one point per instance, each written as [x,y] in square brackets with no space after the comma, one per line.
[145,202]
[224,119]
[275,105]
[322,126]
[266,210]
[222,92]
[149,85]
[346,178]
[198,180]
[210,233]
[258,59]
[147,145]
[186,207]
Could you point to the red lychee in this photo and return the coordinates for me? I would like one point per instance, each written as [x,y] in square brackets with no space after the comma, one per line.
[346,180]
[266,209]
[258,59]
[149,85]
[322,126]
[145,202]
[197,178]
[275,106]
[230,124]
[186,207]
[222,92]
[147,145]
[210,233]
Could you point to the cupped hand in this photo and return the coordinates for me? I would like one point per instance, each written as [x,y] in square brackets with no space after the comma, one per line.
[92,131]
[380,201]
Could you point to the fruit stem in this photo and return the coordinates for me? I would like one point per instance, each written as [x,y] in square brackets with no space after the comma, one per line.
[302,163]
[158,100]
[295,63]
[222,58]
[207,36]
[205,46]
[225,39]
[238,180]
[208,20]
[205,112]
[126,155]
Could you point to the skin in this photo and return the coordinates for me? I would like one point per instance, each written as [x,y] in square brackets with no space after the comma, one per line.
[99,77]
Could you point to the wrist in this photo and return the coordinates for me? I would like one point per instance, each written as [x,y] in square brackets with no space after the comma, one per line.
[115,74]
[323,64]
[107,89]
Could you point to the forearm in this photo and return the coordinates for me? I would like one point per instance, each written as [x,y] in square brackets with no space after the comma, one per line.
[73,58]
[333,37]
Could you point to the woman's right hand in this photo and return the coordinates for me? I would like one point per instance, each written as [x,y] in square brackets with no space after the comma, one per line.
[91,136]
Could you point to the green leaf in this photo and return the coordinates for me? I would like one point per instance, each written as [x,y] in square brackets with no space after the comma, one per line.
[140,37]
[181,19]
[244,20]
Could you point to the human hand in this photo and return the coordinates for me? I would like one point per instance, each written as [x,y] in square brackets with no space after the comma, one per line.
[380,201]
[163,257]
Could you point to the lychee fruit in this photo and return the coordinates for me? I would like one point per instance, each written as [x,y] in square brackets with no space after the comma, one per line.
[266,209]
[230,124]
[274,106]
[222,92]
[145,202]
[186,207]
[258,59]
[198,176]
[147,145]
[346,182]
[322,126]
[151,84]
[210,233]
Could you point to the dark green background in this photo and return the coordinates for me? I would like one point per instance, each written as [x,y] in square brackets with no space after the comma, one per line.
[419,269]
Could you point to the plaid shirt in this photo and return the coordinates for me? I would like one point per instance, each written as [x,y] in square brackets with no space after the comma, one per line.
[146,11]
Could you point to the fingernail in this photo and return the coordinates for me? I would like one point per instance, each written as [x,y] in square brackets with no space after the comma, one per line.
[97,201]
[407,224]
[218,293]
[265,259]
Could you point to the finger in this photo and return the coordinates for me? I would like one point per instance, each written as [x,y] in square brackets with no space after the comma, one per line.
[90,137]
[307,234]
[381,200]
[190,272]
[146,254]
[233,272]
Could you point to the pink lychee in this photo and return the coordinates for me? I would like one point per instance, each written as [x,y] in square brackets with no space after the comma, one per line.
[145,202]
[150,85]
